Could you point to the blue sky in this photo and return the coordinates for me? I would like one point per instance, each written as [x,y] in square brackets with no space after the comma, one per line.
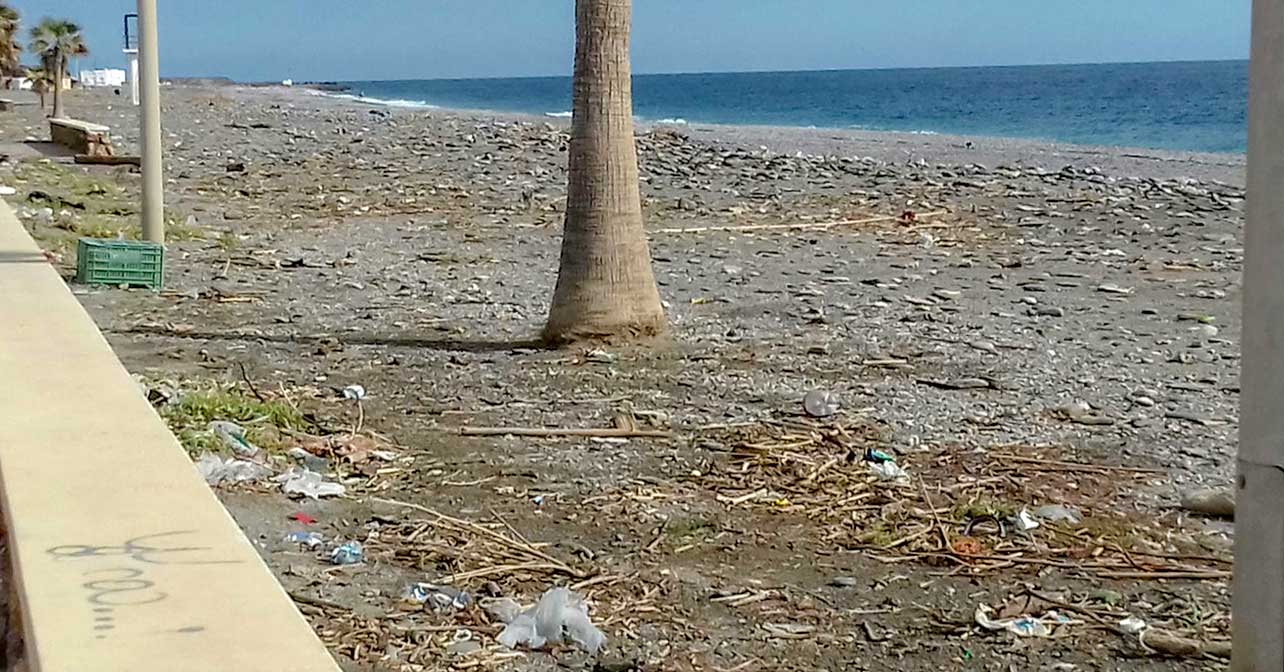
[412,39]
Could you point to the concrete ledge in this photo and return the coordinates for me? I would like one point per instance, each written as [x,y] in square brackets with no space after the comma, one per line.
[122,557]
[82,137]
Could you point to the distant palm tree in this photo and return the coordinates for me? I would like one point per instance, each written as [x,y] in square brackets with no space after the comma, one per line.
[605,286]
[10,49]
[56,41]
[41,83]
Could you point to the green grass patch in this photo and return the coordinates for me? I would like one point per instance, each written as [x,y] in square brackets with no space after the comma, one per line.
[100,208]
[103,227]
[199,405]
[690,526]
[981,507]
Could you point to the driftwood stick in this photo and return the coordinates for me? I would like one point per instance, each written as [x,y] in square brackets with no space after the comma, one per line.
[1156,575]
[505,569]
[520,546]
[1072,466]
[612,432]
[93,160]
[800,225]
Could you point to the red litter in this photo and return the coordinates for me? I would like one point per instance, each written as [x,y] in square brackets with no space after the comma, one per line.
[303,518]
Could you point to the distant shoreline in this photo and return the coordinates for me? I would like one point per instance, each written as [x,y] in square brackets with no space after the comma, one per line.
[884,145]
[1186,106]
[769,72]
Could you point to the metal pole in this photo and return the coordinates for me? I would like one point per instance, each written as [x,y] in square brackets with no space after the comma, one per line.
[133,78]
[1258,602]
[149,80]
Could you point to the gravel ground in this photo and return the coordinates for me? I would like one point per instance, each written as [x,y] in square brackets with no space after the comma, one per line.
[963,302]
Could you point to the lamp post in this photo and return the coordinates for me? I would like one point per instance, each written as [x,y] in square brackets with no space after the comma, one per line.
[1258,618]
[149,80]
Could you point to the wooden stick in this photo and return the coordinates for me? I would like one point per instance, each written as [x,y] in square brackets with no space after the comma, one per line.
[317,602]
[945,536]
[1110,617]
[474,527]
[92,160]
[609,579]
[246,377]
[503,569]
[512,529]
[737,501]
[800,225]
[908,538]
[441,628]
[1172,556]
[1212,574]
[1074,466]
[963,559]
[613,432]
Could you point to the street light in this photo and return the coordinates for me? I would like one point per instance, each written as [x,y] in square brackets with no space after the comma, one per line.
[149,76]
[1258,609]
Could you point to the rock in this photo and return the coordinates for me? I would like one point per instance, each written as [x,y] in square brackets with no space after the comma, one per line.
[1080,412]
[843,582]
[984,346]
[1055,513]
[1049,311]
[821,404]
[1216,502]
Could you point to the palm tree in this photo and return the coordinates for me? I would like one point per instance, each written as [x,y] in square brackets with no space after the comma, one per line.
[41,83]
[605,286]
[10,49]
[56,41]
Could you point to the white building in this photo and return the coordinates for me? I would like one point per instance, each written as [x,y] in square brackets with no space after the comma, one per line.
[102,77]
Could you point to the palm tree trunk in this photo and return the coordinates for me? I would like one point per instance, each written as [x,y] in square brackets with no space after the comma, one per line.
[59,67]
[605,285]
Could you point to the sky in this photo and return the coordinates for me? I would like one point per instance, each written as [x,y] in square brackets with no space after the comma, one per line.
[269,40]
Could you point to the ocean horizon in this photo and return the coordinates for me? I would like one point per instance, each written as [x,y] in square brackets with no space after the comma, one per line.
[1197,106]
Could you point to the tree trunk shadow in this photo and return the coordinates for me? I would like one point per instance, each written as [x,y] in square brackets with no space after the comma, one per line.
[441,344]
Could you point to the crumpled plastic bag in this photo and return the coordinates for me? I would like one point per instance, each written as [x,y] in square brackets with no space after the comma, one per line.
[558,616]
[216,470]
[309,484]
[437,597]
[890,472]
[1024,626]
[233,436]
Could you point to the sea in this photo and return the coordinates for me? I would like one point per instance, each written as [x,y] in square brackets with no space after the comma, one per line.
[1184,106]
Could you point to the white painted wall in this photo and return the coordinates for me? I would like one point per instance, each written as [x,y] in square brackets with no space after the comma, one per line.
[103,77]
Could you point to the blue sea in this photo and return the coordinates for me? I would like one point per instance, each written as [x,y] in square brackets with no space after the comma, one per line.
[1193,106]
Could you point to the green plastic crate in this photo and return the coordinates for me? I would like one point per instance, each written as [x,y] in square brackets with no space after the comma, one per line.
[120,262]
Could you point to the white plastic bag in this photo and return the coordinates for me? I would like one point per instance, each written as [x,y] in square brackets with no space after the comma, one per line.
[216,470]
[559,615]
[309,484]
